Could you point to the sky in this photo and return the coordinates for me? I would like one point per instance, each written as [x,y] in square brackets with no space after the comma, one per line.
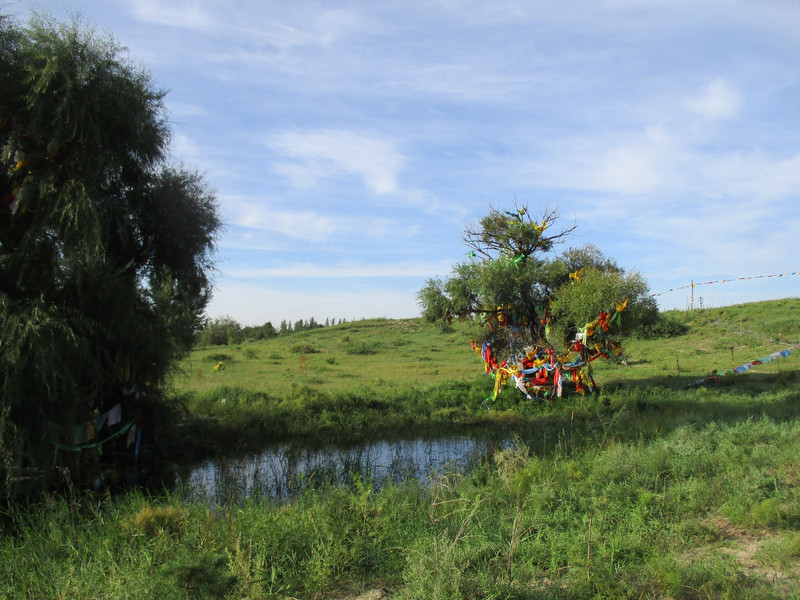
[351,143]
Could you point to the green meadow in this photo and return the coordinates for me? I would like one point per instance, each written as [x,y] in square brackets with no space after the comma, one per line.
[654,487]
[379,377]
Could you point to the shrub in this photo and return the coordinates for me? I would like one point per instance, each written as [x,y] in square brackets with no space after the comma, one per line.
[664,326]
[361,348]
[303,348]
[221,332]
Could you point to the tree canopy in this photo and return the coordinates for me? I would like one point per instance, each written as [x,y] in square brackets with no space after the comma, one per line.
[537,305]
[106,248]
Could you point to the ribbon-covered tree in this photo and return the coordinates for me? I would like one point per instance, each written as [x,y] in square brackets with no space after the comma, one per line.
[106,248]
[546,317]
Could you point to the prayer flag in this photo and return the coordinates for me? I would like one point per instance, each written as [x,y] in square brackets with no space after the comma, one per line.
[115,415]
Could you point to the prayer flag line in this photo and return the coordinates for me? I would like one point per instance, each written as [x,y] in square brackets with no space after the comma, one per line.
[695,284]
[748,365]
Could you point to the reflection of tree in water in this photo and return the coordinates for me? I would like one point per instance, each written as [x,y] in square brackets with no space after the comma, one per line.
[285,470]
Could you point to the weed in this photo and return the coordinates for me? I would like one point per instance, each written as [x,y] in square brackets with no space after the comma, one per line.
[512,459]
[157,520]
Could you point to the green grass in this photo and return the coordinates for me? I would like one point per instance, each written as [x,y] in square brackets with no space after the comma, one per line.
[701,512]
[376,377]
[361,379]
[384,353]
[339,358]
[649,489]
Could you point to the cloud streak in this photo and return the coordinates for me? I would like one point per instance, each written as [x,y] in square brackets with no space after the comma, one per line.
[718,100]
[342,271]
[305,158]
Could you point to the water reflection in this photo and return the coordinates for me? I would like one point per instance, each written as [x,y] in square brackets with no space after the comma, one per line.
[285,470]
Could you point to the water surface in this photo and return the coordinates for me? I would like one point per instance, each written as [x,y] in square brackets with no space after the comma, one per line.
[283,470]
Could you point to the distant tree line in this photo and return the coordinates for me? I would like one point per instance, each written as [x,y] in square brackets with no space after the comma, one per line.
[226,330]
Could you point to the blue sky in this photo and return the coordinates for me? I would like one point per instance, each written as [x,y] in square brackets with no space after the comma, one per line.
[351,142]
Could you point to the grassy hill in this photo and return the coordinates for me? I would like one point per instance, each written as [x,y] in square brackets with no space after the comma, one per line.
[340,358]
[385,377]
[378,352]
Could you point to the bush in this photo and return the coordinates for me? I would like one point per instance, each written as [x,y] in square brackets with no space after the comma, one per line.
[221,332]
[303,348]
[664,326]
[361,348]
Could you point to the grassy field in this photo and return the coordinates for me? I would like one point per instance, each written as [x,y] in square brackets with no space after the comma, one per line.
[354,380]
[379,377]
[386,354]
[340,358]
[653,488]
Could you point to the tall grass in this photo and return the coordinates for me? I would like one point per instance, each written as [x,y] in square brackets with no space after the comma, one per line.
[704,511]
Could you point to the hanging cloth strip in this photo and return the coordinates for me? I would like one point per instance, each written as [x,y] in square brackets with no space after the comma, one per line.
[78,448]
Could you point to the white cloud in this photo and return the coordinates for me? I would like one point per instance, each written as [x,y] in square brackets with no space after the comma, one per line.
[185,148]
[207,158]
[640,165]
[329,154]
[322,28]
[305,224]
[341,271]
[184,110]
[265,217]
[255,240]
[466,82]
[670,157]
[718,100]
[753,176]
[617,162]
[186,14]
[300,25]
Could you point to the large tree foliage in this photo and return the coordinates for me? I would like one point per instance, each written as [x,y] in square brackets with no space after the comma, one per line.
[532,300]
[105,247]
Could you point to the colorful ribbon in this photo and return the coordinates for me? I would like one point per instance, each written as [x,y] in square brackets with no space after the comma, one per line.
[748,365]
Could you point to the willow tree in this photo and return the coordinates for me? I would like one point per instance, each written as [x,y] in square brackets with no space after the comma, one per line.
[536,305]
[106,248]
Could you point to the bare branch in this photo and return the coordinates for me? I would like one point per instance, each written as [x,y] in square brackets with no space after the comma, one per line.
[514,234]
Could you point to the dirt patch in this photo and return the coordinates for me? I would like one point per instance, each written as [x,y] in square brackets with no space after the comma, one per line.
[374,594]
[746,547]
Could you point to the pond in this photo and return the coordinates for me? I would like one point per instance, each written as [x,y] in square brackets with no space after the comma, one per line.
[281,471]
